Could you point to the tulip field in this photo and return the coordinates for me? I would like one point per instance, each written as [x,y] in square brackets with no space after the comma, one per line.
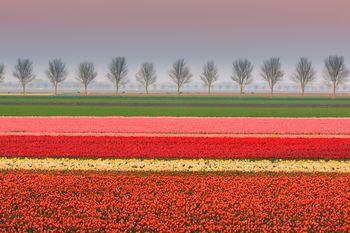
[162,202]
[174,174]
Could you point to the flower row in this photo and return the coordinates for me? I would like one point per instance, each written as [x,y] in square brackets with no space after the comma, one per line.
[173,147]
[175,165]
[34,201]
[194,125]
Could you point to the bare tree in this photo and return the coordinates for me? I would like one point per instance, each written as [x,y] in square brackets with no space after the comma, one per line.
[209,75]
[336,72]
[271,72]
[24,72]
[118,71]
[86,74]
[180,74]
[304,74]
[56,73]
[147,75]
[242,73]
[2,72]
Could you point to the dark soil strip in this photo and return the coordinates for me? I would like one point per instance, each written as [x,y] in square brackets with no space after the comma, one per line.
[182,105]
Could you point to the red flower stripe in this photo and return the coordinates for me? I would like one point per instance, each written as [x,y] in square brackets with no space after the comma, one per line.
[96,202]
[174,147]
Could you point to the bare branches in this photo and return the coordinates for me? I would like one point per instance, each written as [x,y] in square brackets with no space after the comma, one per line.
[147,75]
[2,72]
[242,73]
[118,71]
[24,72]
[209,75]
[335,72]
[86,74]
[304,73]
[56,73]
[271,72]
[180,74]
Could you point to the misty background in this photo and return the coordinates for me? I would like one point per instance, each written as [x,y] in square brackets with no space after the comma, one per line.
[162,31]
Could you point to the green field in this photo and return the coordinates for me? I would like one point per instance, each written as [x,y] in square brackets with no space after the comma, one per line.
[174,106]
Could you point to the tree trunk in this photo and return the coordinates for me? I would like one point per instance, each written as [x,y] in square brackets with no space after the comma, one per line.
[271,93]
[209,89]
[85,93]
[117,90]
[302,90]
[55,89]
[178,90]
[240,89]
[334,89]
[24,89]
[146,89]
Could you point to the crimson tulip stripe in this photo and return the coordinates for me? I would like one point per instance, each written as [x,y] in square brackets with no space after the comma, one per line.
[174,147]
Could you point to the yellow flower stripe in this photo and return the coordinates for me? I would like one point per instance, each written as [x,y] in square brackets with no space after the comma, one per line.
[177,165]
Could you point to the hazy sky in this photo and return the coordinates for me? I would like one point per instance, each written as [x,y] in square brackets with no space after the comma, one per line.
[164,30]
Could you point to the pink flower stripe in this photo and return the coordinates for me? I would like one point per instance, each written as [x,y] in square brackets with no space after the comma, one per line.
[170,135]
[175,125]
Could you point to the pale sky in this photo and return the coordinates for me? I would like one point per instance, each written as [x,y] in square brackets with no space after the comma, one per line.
[161,31]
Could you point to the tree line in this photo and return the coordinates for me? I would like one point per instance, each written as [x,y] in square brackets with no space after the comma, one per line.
[335,73]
